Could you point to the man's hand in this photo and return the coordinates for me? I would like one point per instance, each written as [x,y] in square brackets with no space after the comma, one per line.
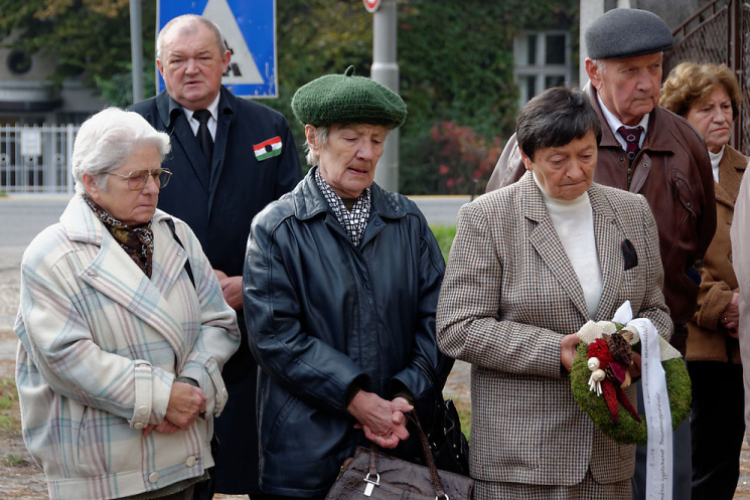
[383,421]
[186,402]
[231,287]
[568,350]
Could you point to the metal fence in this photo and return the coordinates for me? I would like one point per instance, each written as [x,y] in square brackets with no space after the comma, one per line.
[718,33]
[36,159]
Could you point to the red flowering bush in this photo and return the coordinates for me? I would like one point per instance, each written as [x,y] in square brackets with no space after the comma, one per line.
[448,160]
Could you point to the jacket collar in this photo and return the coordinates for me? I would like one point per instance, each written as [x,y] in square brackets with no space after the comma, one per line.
[310,202]
[731,168]
[545,240]
[114,274]
[658,137]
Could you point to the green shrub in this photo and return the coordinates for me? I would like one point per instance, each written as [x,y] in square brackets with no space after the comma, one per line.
[444,236]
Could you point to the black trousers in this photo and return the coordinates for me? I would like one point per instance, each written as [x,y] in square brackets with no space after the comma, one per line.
[717,428]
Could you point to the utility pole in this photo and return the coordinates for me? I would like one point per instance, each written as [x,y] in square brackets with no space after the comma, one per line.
[385,71]
[591,10]
[136,49]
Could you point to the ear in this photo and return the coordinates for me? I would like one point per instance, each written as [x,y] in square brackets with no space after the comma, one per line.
[161,67]
[225,61]
[89,184]
[310,135]
[526,161]
[594,72]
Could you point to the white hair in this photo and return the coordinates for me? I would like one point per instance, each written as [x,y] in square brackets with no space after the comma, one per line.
[601,64]
[188,24]
[320,137]
[106,140]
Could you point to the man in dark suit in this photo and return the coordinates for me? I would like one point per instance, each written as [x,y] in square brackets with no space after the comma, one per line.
[230,158]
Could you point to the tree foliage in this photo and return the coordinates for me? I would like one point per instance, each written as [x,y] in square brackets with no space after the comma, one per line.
[455,59]
[89,39]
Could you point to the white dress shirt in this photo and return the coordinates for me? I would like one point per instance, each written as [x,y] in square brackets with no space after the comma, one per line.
[213,108]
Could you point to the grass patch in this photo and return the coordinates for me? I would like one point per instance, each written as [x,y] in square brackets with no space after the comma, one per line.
[444,236]
[11,460]
[9,411]
[464,414]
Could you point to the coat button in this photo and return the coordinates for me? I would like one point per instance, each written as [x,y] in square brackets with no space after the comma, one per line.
[138,425]
[622,159]
[645,165]
[190,461]
[143,409]
[153,477]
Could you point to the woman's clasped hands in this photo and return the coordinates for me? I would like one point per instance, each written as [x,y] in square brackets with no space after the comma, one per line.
[186,403]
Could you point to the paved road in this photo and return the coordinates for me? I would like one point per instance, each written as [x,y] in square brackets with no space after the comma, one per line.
[22,218]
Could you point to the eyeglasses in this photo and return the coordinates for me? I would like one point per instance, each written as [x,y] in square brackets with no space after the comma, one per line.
[137,179]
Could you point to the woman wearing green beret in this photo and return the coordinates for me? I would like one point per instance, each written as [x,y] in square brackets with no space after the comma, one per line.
[340,288]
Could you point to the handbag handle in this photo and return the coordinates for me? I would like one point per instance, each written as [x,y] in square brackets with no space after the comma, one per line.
[437,484]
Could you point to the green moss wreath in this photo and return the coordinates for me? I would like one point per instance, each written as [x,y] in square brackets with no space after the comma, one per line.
[628,430]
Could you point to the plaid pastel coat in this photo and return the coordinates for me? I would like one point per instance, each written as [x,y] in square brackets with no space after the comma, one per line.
[100,345]
[509,295]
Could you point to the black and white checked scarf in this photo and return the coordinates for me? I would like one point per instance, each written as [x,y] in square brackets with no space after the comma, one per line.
[354,222]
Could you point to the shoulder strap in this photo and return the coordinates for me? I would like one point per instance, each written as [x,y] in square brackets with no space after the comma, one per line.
[189,270]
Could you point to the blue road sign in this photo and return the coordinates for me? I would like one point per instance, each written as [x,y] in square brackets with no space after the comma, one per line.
[249,28]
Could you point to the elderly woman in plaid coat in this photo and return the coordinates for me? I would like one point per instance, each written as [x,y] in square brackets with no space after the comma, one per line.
[123,330]
[530,265]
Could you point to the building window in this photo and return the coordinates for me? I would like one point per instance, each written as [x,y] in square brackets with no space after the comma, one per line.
[542,61]
[19,62]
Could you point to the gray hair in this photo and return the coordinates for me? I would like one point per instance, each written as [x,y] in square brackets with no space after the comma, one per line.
[601,64]
[321,140]
[188,22]
[106,140]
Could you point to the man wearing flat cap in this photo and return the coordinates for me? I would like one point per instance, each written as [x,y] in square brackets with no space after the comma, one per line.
[340,289]
[650,151]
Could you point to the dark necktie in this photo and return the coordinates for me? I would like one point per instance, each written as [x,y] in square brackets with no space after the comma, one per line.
[204,135]
[632,138]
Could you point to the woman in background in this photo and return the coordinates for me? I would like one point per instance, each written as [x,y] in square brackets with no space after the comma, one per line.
[708,96]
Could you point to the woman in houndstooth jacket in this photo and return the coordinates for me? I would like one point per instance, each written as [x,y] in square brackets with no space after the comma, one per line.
[531,264]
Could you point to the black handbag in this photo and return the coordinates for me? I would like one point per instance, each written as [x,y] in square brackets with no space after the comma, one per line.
[447,443]
[372,473]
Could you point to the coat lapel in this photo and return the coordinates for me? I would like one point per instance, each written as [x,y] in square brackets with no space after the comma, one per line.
[730,168]
[609,239]
[176,122]
[113,273]
[547,244]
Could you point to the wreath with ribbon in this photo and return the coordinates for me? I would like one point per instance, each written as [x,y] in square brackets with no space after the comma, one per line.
[600,373]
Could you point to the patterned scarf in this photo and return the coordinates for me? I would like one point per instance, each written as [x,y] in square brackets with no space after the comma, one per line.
[354,222]
[138,242]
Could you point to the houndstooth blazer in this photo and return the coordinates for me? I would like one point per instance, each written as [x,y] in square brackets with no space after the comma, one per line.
[509,296]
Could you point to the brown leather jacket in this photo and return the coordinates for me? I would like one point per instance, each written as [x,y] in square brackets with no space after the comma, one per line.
[707,340]
[673,172]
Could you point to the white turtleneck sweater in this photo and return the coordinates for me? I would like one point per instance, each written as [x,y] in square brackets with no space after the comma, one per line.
[715,160]
[574,223]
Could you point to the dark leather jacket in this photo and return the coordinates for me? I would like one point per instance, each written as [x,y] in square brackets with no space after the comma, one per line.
[673,172]
[324,316]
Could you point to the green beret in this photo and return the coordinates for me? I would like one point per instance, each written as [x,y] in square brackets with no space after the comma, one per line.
[348,99]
